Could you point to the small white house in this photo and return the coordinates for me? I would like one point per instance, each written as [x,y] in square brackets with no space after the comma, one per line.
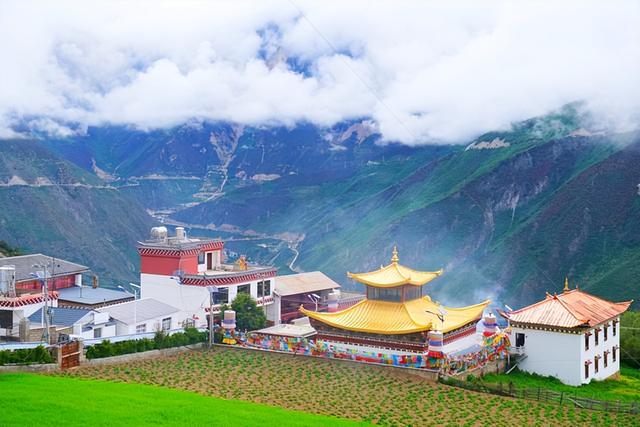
[77,322]
[573,336]
[144,315]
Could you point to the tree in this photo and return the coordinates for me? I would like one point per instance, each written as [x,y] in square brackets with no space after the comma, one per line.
[630,338]
[248,316]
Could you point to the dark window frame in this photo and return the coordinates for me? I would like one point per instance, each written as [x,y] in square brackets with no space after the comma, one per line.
[520,339]
[266,284]
[218,296]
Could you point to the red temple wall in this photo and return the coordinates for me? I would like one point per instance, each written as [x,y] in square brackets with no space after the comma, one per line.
[57,283]
[167,265]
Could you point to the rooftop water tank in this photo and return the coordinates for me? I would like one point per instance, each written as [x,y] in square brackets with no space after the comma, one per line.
[159,233]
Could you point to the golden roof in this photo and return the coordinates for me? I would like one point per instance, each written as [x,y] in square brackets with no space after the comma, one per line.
[395,274]
[390,318]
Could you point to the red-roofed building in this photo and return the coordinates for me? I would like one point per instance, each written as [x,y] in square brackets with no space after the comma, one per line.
[180,270]
[574,336]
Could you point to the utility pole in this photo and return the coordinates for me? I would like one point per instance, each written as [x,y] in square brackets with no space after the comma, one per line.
[43,277]
[212,291]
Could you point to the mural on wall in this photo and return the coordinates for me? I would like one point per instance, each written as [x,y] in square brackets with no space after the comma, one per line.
[493,347]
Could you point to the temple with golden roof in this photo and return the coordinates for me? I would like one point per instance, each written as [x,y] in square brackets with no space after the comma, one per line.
[396,313]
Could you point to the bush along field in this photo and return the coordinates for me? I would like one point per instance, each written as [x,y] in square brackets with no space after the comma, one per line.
[161,340]
[380,395]
[25,356]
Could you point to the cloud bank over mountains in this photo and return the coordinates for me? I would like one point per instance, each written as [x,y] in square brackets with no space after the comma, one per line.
[426,72]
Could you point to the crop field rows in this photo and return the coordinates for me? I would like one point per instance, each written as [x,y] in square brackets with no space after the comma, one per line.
[361,392]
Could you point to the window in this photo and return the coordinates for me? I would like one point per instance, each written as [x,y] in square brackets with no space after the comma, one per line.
[6,318]
[606,358]
[141,329]
[614,352]
[166,324]
[267,288]
[222,296]
[595,364]
[97,333]
[606,333]
[596,336]
[412,292]
[615,322]
[519,339]
[586,370]
[244,289]
[201,258]
[586,341]
[384,294]
[209,260]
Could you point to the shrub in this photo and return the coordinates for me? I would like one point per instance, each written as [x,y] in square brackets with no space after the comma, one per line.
[25,356]
[160,340]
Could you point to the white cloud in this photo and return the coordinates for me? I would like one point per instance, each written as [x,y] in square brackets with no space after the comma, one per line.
[425,71]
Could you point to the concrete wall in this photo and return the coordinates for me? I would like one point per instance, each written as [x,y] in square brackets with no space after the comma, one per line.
[45,367]
[563,355]
[553,354]
[192,300]
[152,325]
[494,367]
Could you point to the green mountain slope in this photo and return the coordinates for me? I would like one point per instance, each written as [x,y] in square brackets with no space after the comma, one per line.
[486,215]
[49,205]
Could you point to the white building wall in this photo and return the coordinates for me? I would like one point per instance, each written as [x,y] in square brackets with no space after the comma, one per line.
[563,355]
[553,354]
[152,325]
[598,350]
[192,300]
[273,310]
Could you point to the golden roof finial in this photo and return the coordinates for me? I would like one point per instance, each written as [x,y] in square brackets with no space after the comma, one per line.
[394,258]
[566,285]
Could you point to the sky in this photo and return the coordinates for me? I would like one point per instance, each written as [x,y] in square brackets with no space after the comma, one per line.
[425,72]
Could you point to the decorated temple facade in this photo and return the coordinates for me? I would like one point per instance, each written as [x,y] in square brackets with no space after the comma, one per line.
[398,315]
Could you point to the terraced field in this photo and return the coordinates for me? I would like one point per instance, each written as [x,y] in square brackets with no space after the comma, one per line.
[361,392]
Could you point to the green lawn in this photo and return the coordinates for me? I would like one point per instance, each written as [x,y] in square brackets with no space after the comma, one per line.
[31,399]
[627,388]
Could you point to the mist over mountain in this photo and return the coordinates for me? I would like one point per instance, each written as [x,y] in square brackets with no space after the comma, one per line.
[507,215]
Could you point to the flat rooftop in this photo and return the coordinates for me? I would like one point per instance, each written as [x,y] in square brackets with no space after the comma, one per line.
[174,242]
[91,296]
[24,265]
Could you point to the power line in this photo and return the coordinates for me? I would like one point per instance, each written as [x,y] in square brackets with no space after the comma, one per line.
[355,73]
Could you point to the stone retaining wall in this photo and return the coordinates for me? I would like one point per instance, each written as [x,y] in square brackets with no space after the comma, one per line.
[41,367]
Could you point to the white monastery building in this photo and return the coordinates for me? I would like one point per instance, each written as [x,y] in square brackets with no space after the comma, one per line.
[573,336]
[180,271]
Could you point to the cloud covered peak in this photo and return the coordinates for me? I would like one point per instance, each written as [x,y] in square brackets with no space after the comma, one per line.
[426,72]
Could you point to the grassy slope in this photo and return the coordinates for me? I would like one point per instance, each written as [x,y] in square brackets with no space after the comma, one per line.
[627,388]
[44,400]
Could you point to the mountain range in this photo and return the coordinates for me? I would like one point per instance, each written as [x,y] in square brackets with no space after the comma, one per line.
[508,215]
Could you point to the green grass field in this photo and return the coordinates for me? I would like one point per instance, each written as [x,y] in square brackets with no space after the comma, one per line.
[626,388]
[31,399]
